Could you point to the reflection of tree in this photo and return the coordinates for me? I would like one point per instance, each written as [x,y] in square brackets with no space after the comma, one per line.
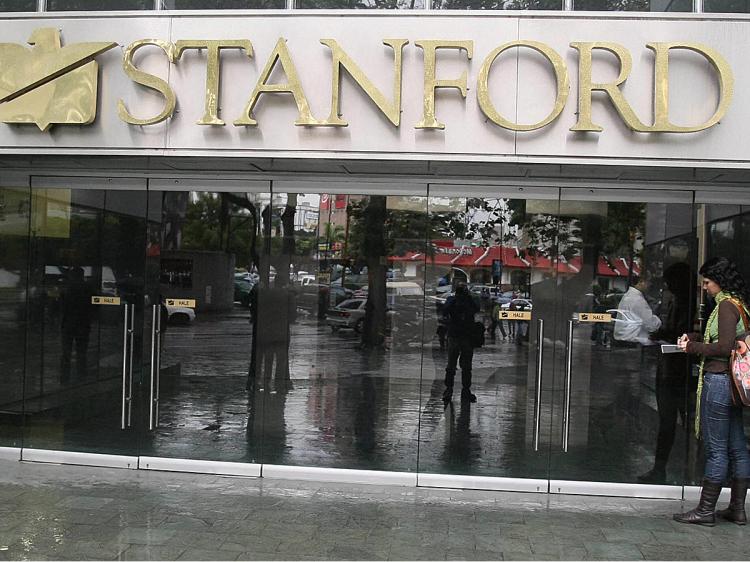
[223,221]
[377,232]
[622,235]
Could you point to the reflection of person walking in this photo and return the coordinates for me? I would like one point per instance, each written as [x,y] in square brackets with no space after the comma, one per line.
[718,419]
[76,324]
[459,313]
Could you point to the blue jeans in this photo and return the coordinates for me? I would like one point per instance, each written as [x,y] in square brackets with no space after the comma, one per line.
[724,438]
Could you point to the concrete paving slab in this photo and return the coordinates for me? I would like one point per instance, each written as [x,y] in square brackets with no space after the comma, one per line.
[72,512]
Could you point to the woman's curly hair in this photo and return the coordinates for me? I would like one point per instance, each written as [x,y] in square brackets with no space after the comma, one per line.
[724,273]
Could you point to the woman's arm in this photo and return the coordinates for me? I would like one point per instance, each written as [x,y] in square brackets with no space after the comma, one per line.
[729,315]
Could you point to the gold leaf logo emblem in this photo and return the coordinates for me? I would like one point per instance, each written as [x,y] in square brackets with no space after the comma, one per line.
[49,84]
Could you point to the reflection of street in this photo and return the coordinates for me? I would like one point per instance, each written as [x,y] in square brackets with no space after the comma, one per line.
[349,408]
[376,410]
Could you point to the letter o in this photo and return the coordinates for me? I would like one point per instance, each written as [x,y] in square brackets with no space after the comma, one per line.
[561,77]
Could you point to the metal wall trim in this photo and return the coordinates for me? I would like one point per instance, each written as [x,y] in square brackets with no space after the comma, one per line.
[499,484]
[199,466]
[221,185]
[15,179]
[86,459]
[75,181]
[340,475]
[723,197]
[596,193]
[616,489]
[518,191]
[10,453]
[351,186]
[451,181]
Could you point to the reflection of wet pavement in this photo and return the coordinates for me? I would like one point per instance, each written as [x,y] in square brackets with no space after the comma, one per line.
[82,513]
[345,407]
[354,409]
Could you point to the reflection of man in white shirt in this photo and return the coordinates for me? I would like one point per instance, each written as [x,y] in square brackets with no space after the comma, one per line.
[635,320]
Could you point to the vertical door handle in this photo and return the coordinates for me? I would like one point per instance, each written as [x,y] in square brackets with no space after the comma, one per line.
[539,371]
[131,342]
[153,403]
[127,366]
[568,365]
[126,325]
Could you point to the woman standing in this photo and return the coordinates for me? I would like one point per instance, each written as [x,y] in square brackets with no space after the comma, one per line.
[718,421]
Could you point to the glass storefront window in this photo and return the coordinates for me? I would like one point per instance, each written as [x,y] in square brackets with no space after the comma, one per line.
[17,5]
[340,330]
[360,4]
[634,5]
[727,6]
[223,4]
[497,5]
[98,5]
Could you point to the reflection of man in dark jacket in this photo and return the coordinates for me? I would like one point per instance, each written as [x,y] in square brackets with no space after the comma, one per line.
[76,323]
[459,314]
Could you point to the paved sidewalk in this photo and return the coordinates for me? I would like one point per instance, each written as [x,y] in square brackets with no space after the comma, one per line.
[80,513]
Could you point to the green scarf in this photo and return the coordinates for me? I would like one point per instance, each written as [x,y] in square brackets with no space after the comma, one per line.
[712,335]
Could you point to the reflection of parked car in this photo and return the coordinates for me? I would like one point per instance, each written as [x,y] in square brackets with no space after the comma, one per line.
[350,314]
[180,314]
[517,304]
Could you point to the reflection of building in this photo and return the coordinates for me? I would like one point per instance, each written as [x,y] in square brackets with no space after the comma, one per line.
[305,217]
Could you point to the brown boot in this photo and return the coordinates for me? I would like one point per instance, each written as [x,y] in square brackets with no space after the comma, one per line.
[703,514]
[736,510]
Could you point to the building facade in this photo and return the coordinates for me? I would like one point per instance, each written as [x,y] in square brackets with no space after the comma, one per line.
[227,236]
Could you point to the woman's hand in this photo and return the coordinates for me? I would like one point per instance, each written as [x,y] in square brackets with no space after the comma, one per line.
[682,342]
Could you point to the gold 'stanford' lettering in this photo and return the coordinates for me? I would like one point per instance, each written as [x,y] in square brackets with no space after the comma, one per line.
[561,78]
[149,81]
[429,121]
[341,60]
[661,86]
[213,70]
[391,108]
[586,86]
[293,86]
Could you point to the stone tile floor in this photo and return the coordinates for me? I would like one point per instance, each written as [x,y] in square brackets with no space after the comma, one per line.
[82,513]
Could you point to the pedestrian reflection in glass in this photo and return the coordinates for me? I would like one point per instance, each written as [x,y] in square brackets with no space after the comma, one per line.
[459,312]
[75,325]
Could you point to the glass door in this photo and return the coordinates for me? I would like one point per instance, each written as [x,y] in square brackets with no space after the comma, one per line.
[620,413]
[14,230]
[493,429]
[83,305]
[340,377]
[204,256]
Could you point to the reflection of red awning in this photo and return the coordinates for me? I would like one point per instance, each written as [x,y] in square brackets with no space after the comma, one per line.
[445,254]
[617,267]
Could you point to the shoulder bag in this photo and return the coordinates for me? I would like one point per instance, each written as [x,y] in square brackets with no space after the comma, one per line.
[739,363]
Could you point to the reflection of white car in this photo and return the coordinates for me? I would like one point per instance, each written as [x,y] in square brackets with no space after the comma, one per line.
[179,314]
[348,314]
[351,314]
[517,304]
